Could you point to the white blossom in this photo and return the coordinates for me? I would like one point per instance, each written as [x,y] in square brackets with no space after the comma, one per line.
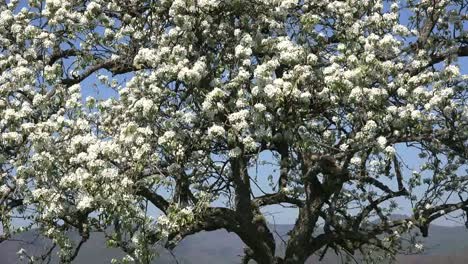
[107,105]
[419,246]
[382,141]
[234,153]
[216,131]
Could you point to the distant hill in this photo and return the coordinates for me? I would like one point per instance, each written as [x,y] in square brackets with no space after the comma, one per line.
[444,245]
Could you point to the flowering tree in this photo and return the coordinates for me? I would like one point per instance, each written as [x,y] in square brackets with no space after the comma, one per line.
[333,90]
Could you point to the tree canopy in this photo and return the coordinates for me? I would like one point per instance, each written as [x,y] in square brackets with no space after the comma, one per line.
[336,92]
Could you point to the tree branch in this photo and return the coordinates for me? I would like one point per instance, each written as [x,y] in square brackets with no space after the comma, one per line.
[156,199]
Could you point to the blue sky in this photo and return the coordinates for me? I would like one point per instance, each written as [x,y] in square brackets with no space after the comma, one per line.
[279,214]
[92,87]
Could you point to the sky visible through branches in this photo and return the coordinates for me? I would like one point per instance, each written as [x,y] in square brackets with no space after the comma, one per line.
[150,121]
[92,87]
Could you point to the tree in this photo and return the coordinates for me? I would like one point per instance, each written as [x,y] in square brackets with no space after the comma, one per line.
[335,91]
